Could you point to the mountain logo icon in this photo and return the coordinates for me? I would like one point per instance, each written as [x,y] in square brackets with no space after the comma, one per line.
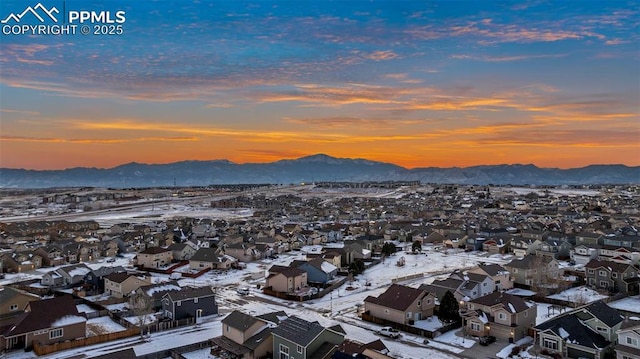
[39,11]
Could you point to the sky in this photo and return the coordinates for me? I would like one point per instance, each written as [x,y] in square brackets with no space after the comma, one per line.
[415,83]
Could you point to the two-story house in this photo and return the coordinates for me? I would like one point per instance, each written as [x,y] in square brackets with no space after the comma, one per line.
[401,304]
[612,276]
[318,270]
[532,270]
[500,275]
[243,252]
[244,336]
[628,344]
[14,301]
[286,279]
[189,303]
[502,315]
[582,254]
[120,285]
[586,332]
[183,251]
[212,258]
[154,257]
[300,339]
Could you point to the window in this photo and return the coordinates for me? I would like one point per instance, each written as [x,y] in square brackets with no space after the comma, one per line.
[602,273]
[604,283]
[228,328]
[475,326]
[55,333]
[419,303]
[284,352]
[632,341]
[299,349]
[484,284]
[550,344]
[13,307]
[408,315]
[195,300]
[179,303]
[591,271]
[602,329]
[515,270]
[386,311]
[502,316]
[525,313]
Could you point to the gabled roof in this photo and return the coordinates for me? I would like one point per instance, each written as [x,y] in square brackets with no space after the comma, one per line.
[571,329]
[274,317]
[510,303]
[614,267]
[286,271]
[492,269]
[298,330]
[42,314]
[602,312]
[189,293]
[207,255]
[528,262]
[118,277]
[154,250]
[103,271]
[398,297]
[7,293]
[240,320]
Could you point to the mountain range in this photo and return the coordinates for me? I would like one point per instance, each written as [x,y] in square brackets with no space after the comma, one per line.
[316,168]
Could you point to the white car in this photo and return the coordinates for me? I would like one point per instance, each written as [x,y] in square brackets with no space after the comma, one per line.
[389,332]
[243,291]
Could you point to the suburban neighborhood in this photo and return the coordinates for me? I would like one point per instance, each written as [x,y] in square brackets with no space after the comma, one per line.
[326,270]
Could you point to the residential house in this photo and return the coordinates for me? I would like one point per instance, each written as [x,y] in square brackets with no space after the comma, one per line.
[16,263]
[475,284]
[244,336]
[212,258]
[318,270]
[189,303]
[495,246]
[589,239]
[401,304]
[500,275]
[301,339]
[628,344]
[66,276]
[182,251]
[45,321]
[120,285]
[531,270]
[94,280]
[612,276]
[586,332]
[372,350]
[155,292]
[553,247]
[286,279]
[14,301]
[501,315]
[582,254]
[243,252]
[154,257]
[627,255]
[519,246]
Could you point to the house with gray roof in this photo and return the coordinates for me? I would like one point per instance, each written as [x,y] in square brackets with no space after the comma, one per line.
[245,336]
[502,315]
[189,303]
[586,332]
[401,304]
[301,339]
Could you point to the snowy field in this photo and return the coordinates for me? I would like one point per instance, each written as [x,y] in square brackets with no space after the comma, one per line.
[578,295]
[102,325]
[629,304]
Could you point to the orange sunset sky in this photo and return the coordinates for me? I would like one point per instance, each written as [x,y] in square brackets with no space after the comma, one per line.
[418,84]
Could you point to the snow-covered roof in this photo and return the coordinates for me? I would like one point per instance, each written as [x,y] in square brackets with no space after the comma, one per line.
[68,320]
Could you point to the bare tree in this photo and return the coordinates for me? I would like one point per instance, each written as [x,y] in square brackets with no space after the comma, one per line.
[142,306]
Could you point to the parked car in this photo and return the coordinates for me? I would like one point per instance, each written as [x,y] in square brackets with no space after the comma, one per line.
[243,291]
[486,340]
[111,260]
[389,332]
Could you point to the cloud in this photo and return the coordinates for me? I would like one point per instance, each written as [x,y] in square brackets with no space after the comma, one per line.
[507,58]
[382,55]
[351,122]
[93,140]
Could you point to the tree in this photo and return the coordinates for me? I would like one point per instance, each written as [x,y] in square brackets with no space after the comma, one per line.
[416,247]
[142,306]
[449,309]
[356,267]
[388,249]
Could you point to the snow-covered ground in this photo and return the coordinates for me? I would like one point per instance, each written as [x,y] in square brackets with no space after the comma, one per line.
[578,295]
[547,311]
[102,325]
[629,304]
